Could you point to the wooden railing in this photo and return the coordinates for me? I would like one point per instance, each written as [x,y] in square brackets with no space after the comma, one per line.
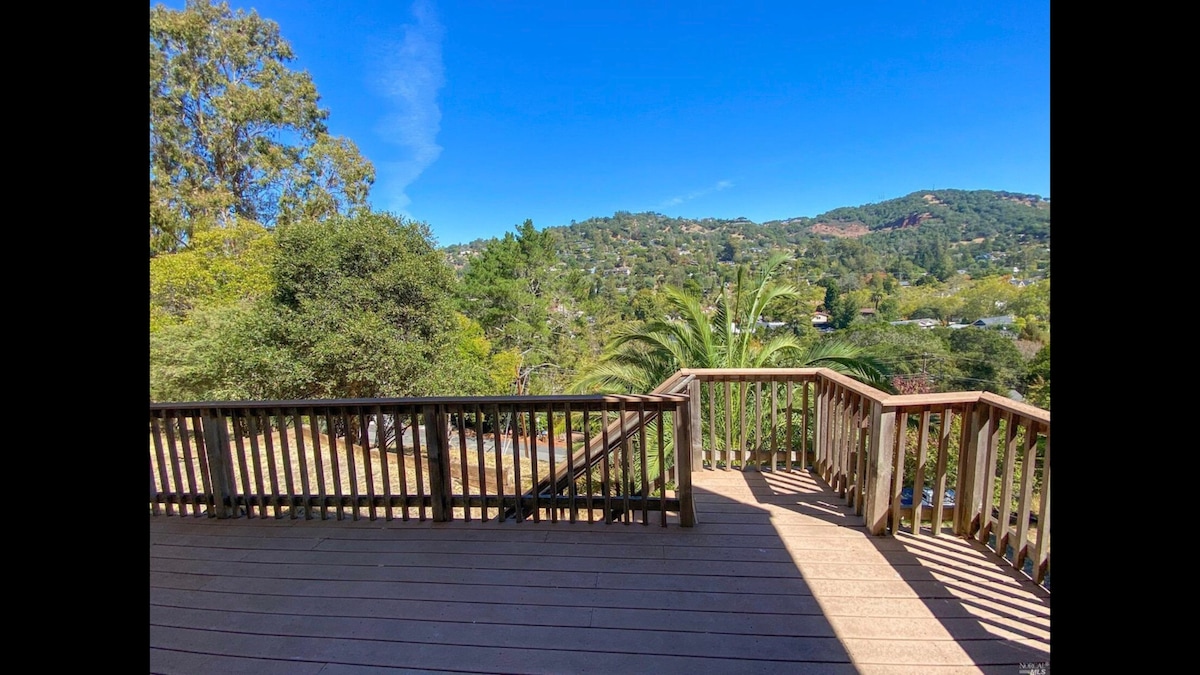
[975,464]
[968,463]
[439,458]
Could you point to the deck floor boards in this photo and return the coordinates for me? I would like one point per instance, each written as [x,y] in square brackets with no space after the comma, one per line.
[777,576]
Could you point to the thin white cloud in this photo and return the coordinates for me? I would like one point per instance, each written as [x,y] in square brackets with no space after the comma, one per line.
[410,75]
[717,187]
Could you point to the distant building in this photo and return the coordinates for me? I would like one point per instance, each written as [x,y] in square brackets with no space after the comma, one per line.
[993,321]
[923,323]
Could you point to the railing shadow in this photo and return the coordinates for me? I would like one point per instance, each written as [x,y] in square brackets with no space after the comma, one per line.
[997,617]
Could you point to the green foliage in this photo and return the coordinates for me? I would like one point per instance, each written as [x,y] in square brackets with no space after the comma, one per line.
[526,305]
[1037,379]
[907,350]
[361,308]
[641,356]
[236,134]
[221,267]
[985,360]
[505,287]
[990,296]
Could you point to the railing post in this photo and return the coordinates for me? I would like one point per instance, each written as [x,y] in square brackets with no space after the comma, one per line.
[436,443]
[220,464]
[879,468]
[695,436]
[968,499]
[824,465]
[685,451]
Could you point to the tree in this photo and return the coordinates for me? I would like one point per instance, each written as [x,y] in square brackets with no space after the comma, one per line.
[1037,379]
[360,308]
[221,267]
[986,359]
[510,291]
[910,352]
[989,296]
[504,287]
[234,133]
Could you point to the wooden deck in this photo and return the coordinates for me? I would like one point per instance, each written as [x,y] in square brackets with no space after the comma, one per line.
[777,577]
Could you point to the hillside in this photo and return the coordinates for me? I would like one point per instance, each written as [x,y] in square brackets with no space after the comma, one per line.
[982,232]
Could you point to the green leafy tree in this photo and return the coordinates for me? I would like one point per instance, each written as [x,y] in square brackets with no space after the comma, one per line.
[505,287]
[361,308]
[1037,379]
[524,307]
[1033,301]
[234,132]
[985,359]
[910,352]
[990,296]
[221,267]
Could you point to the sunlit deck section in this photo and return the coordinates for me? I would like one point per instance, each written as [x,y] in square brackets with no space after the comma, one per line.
[778,575]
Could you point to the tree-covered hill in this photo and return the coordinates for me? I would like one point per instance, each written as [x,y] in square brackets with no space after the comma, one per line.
[934,232]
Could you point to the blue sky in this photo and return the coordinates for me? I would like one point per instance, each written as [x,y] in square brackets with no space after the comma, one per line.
[480,114]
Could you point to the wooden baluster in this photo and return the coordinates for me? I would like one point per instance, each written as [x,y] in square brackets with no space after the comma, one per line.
[572,496]
[156,429]
[604,466]
[189,461]
[289,481]
[497,449]
[939,489]
[314,424]
[481,465]
[919,477]
[1004,532]
[587,460]
[741,445]
[643,459]
[385,464]
[518,491]
[901,448]
[1041,562]
[464,473]
[418,460]
[1028,470]
[989,476]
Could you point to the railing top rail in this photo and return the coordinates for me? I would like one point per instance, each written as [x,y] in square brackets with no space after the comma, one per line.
[710,373]
[926,400]
[788,374]
[873,394]
[431,400]
[1017,407]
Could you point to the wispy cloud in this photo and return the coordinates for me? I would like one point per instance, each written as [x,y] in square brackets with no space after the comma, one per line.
[720,185]
[410,75]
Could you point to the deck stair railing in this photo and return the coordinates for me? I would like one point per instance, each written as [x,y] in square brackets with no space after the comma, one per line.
[591,456]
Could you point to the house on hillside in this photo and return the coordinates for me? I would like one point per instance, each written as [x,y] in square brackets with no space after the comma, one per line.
[993,321]
[923,323]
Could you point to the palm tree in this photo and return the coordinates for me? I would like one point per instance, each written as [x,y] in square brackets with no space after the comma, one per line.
[640,357]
